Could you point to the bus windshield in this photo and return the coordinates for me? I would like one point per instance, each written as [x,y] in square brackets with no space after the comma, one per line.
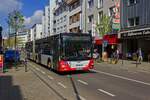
[77,48]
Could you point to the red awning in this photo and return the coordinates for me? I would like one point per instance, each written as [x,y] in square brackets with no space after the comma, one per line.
[111,39]
[99,42]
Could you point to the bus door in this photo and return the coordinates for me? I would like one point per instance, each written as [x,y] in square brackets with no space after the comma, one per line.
[55,52]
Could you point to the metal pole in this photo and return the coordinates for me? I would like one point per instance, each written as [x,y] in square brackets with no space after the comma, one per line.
[15,41]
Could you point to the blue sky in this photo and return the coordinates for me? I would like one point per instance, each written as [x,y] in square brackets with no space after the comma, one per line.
[31,9]
[30,6]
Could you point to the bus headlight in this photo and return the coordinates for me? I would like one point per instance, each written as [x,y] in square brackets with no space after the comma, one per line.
[63,66]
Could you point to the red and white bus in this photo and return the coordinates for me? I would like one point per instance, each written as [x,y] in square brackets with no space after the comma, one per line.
[63,52]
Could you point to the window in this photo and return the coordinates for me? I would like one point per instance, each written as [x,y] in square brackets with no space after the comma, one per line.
[65,17]
[100,3]
[133,21]
[90,3]
[131,2]
[54,21]
[90,31]
[100,15]
[90,18]
[111,11]
[137,21]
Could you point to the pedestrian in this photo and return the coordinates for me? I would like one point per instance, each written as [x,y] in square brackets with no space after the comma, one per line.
[96,54]
[117,54]
[140,55]
[24,58]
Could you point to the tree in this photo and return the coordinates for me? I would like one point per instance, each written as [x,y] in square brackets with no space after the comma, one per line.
[104,26]
[15,20]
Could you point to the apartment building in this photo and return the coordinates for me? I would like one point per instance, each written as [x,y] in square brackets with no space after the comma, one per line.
[23,38]
[135,26]
[36,32]
[46,22]
[60,22]
[94,11]
[52,5]
[75,15]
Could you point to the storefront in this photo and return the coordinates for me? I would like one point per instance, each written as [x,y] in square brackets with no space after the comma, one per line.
[134,39]
[110,42]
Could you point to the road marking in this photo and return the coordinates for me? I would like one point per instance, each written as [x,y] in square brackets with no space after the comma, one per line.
[144,71]
[33,66]
[62,85]
[110,94]
[43,72]
[50,77]
[81,98]
[121,77]
[37,69]
[85,83]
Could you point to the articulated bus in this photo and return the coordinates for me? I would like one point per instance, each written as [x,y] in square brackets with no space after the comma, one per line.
[63,52]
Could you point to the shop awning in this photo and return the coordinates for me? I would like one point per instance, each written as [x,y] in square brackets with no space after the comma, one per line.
[110,38]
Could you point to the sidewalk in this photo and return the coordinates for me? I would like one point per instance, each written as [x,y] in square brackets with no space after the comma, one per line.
[129,65]
[21,85]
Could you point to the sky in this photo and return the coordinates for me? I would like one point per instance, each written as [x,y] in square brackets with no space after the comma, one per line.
[32,10]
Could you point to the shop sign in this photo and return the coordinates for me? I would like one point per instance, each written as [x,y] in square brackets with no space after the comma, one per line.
[129,34]
[116,21]
[116,26]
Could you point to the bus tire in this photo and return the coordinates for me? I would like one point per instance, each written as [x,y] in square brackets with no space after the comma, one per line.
[49,63]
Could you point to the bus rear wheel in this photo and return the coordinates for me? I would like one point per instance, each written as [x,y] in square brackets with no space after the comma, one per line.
[49,64]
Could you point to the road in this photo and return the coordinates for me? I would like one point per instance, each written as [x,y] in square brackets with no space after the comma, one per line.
[101,83]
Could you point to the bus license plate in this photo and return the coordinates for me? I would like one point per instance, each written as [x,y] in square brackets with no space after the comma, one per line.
[79,68]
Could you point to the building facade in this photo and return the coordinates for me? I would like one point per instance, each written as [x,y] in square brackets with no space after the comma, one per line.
[22,39]
[75,15]
[52,5]
[36,32]
[94,11]
[46,22]
[60,22]
[135,26]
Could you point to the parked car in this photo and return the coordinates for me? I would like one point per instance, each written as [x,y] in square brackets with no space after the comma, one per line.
[11,56]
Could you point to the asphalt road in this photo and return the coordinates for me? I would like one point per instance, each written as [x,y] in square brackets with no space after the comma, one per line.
[102,83]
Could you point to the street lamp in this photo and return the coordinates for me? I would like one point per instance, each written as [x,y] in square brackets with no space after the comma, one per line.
[15,20]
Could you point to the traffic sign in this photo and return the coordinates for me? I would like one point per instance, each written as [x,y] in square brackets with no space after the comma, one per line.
[105,43]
